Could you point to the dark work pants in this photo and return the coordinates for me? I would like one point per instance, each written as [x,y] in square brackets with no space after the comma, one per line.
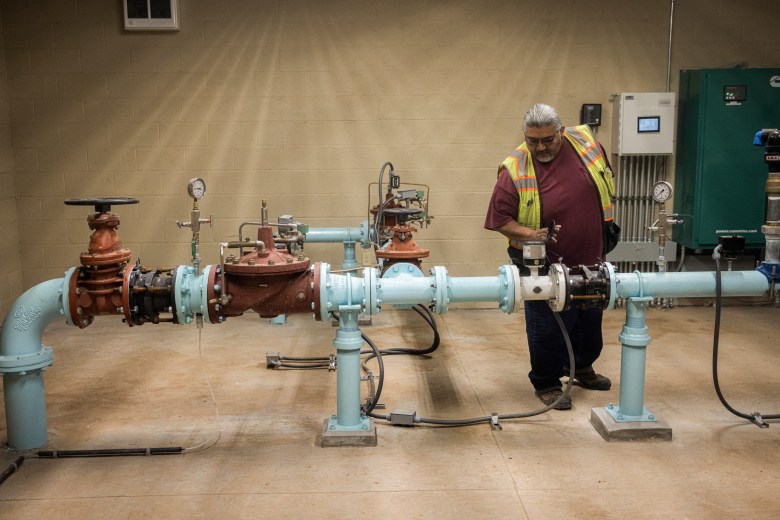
[549,357]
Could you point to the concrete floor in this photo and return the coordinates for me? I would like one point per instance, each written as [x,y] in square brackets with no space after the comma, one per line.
[114,387]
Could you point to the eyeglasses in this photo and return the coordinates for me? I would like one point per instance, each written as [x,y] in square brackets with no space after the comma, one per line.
[544,141]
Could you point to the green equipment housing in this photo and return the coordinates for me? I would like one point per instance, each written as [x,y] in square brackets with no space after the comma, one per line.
[720,176]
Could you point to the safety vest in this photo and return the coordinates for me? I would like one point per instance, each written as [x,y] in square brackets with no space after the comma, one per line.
[521,169]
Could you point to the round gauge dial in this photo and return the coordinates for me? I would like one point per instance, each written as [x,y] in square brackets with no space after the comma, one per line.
[662,191]
[196,188]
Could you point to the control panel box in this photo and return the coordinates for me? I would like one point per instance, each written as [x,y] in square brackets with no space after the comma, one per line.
[720,176]
[643,123]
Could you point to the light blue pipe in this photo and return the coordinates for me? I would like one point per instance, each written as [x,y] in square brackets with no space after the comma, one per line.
[341,234]
[639,289]
[436,291]
[350,259]
[23,359]
[691,285]
[476,289]
[346,235]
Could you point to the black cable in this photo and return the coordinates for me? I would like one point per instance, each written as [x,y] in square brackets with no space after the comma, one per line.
[490,418]
[756,418]
[11,469]
[323,361]
[376,393]
[112,452]
[380,202]
[378,353]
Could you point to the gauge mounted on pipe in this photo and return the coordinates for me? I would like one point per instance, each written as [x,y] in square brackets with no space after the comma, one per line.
[662,191]
[196,188]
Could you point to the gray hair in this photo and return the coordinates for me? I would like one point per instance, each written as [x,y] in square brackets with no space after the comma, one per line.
[541,115]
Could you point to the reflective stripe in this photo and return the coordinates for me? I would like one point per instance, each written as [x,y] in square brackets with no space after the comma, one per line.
[521,170]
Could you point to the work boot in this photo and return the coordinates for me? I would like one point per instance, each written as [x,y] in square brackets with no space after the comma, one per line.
[551,395]
[592,381]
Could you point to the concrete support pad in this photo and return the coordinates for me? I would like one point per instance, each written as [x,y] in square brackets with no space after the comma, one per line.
[611,430]
[347,438]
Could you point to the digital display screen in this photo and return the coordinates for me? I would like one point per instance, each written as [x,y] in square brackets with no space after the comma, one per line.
[648,124]
[735,93]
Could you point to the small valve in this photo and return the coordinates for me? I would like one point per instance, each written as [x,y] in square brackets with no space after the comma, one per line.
[196,189]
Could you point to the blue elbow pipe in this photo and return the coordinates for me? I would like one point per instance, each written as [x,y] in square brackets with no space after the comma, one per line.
[23,359]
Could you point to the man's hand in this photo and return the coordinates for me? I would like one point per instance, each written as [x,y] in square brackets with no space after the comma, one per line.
[547,236]
[514,231]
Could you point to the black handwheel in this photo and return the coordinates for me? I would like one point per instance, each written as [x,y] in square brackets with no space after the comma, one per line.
[102,204]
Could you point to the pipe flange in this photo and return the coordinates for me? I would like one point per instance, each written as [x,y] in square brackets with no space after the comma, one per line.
[509,289]
[609,273]
[440,289]
[324,274]
[370,305]
[66,294]
[19,364]
[365,235]
[559,279]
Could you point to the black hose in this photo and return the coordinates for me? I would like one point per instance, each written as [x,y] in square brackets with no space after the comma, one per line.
[375,393]
[378,217]
[490,418]
[756,418]
[378,353]
[119,452]
[11,469]
[324,362]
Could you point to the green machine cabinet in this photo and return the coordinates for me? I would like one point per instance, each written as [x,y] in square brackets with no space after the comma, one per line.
[720,176]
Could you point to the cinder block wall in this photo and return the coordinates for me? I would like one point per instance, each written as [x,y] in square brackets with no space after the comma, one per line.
[300,102]
[10,267]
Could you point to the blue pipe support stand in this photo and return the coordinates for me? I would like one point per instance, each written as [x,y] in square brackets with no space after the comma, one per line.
[348,342]
[350,259]
[278,320]
[191,293]
[634,339]
[639,288]
[23,359]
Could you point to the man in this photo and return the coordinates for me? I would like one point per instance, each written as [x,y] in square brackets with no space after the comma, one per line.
[562,176]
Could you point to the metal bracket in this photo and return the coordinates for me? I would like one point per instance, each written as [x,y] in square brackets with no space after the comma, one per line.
[759,421]
[272,359]
[494,424]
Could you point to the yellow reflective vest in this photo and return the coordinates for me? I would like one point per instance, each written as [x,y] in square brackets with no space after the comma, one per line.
[521,168]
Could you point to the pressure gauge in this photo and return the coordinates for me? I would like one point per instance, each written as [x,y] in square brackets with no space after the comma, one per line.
[196,188]
[662,191]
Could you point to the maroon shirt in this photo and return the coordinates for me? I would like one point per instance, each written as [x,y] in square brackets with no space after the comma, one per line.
[569,196]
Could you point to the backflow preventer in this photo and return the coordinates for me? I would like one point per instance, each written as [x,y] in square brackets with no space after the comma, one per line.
[270,276]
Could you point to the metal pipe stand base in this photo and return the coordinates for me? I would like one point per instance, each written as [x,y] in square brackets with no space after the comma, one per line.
[357,438]
[612,430]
